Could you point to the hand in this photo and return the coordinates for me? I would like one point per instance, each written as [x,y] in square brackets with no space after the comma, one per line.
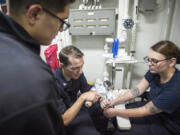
[105,103]
[90,96]
[110,112]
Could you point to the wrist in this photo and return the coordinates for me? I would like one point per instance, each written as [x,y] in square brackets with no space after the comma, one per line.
[113,102]
[116,112]
[82,97]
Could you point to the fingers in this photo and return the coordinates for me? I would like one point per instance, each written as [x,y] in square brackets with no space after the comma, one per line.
[96,96]
[109,113]
[106,113]
[91,96]
[105,104]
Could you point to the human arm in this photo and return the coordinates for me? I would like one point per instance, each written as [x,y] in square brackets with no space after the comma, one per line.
[84,87]
[140,88]
[71,113]
[148,109]
[41,119]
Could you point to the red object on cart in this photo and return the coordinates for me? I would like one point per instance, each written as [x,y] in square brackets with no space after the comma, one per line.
[51,57]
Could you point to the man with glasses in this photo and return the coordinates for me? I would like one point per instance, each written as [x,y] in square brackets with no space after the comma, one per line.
[28,91]
[65,25]
[160,114]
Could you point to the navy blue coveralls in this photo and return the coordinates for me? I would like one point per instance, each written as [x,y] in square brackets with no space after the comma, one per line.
[83,123]
[28,90]
[166,97]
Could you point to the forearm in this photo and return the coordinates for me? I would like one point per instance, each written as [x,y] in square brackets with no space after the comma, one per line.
[71,113]
[140,88]
[130,94]
[146,110]
[137,112]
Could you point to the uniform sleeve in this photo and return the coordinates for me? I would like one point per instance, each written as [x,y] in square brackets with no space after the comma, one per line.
[168,100]
[84,85]
[41,119]
[61,106]
[149,76]
[96,109]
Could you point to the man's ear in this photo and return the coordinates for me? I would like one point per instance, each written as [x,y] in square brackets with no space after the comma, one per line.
[173,62]
[34,13]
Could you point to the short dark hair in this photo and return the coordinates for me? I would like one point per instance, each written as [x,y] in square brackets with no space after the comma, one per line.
[69,51]
[18,6]
[168,49]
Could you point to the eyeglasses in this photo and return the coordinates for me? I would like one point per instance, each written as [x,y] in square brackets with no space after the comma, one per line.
[65,24]
[154,61]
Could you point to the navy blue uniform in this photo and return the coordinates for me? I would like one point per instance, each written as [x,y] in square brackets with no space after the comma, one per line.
[28,90]
[69,91]
[166,97]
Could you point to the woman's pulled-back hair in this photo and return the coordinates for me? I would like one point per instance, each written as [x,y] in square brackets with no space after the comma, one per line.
[168,49]
[69,51]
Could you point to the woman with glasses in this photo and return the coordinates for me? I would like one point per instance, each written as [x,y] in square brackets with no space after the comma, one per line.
[160,114]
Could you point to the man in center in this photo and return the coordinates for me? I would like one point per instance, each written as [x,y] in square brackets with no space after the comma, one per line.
[73,85]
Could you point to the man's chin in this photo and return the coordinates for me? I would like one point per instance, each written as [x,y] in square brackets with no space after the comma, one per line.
[76,77]
[152,71]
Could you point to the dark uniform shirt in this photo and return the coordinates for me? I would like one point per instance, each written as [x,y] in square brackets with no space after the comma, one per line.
[166,96]
[28,90]
[69,91]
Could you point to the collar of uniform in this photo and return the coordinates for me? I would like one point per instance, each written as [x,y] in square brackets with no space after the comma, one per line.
[59,76]
[9,26]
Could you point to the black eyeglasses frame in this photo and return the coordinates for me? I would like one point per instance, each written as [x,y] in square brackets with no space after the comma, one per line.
[61,20]
[154,61]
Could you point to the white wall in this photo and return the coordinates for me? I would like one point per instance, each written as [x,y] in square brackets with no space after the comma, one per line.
[176,24]
[149,31]
[92,46]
